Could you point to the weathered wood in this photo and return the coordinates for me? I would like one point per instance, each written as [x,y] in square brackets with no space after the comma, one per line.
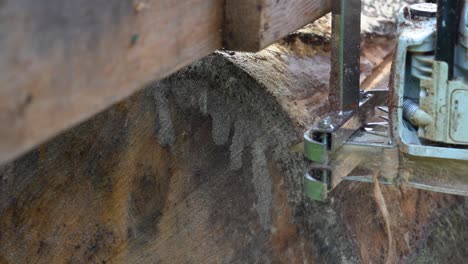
[62,62]
[253,25]
[198,168]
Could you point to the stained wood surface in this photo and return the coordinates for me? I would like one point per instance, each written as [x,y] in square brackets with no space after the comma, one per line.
[63,62]
[253,25]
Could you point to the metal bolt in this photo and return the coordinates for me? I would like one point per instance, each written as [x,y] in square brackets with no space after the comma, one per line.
[325,124]
[423,10]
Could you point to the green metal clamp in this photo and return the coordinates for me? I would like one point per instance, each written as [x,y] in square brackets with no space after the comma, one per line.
[314,189]
[316,151]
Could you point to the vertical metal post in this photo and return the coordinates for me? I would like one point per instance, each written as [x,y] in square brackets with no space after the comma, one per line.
[346,42]
[448,16]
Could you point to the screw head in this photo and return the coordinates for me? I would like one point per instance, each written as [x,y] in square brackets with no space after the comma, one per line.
[325,123]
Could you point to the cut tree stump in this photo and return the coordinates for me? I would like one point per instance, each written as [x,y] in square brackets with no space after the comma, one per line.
[202,167]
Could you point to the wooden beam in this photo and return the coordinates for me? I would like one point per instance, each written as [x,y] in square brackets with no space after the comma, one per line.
[63,62]
[253,25]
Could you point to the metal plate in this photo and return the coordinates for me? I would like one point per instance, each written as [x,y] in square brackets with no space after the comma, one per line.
[459,116]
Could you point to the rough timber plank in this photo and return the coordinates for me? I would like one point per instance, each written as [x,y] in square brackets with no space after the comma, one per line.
[63,61]
[253,25]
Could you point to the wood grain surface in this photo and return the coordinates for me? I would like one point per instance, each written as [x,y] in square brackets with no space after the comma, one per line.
[185,171]
[253,25]
[63,62]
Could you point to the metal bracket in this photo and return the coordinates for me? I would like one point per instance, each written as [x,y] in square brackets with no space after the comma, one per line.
[344,143]
[327,144]
[339,126]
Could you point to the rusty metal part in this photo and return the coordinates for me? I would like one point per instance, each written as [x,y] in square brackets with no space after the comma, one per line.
[346,40]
